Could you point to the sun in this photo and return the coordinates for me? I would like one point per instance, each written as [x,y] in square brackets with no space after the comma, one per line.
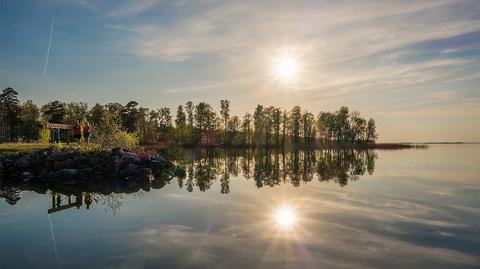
[285,217]
[286,67]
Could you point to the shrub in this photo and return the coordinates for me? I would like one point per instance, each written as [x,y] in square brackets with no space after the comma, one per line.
[44,136]
[109,134]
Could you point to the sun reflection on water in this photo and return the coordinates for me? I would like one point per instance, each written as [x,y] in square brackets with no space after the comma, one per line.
[285,217]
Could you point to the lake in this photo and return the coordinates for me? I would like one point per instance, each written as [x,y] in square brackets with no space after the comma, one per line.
[417,208]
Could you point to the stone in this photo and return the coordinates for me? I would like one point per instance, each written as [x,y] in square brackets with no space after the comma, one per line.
[59,156]
[130,170]
[131,157]
[26,176]
[143,173]
[66,176]
[66,173]
[59,165]
[7,163]
[118,152]
[24,161]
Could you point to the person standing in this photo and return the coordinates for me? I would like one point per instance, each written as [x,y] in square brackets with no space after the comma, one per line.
[77,131]
[56,135]
[86,132]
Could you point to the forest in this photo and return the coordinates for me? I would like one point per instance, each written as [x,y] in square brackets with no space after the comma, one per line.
[189,124]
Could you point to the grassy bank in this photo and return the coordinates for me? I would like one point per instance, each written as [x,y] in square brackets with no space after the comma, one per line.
[13,148]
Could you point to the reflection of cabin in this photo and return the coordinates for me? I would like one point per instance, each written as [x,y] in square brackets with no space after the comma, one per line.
[77,202]
[60,132]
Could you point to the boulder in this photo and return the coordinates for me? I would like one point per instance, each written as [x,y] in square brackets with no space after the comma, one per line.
[59,156]
[118,152]
[59,165]
[131,157]
[26,176]
[7,163]
[66,173]
[24,162]
[66,176]
[129,170]
[143,173]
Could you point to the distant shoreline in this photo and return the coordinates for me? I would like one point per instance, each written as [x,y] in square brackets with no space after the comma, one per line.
[444,143]
[301,147]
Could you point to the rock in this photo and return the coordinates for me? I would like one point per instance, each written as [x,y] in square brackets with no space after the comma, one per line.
[7,163]
[85,171]
[66,176]
[24,162]
[66,173]
[130,170]
[59,165]
[143,173]
[26,176]
[38,159]
[59,156]
[104,155]
[118,152]
[131,157]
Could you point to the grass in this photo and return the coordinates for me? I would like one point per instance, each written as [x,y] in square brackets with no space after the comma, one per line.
[13,148]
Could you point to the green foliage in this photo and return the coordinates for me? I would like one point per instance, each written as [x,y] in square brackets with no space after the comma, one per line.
[126,126]
[54,112]
[109,134]
[96,114]
[9,113]
[75,112]
[44,136]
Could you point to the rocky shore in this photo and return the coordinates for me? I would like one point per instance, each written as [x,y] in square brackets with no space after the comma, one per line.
[62,167]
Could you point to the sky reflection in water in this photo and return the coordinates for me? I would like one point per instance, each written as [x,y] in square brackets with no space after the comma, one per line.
[396,209]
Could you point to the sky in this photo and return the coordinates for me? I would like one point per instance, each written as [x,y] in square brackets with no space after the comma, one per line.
[413,66]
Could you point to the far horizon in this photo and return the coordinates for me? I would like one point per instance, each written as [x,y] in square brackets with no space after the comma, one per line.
[411,67]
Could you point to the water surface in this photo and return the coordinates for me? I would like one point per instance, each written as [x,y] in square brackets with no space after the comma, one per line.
[260,209]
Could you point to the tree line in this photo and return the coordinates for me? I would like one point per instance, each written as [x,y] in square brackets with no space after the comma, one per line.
[191,124]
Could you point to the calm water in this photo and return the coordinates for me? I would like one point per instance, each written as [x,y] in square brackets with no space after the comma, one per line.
[376,209]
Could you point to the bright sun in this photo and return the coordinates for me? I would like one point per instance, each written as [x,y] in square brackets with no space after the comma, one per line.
[285,67]
[285,217]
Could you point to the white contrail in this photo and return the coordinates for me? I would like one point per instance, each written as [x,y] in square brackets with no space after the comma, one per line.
[49,45]
[53,239]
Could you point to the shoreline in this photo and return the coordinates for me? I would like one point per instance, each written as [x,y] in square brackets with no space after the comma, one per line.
[13,148]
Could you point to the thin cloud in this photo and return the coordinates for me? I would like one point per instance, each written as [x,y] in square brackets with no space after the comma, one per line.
[132,9]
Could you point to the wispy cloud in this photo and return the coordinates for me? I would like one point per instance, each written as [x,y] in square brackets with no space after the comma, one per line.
[132,8]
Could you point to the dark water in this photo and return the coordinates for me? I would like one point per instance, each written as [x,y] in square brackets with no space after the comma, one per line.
[259,209]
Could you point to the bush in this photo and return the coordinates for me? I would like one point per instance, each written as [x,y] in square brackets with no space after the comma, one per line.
[108,134]
[44,136]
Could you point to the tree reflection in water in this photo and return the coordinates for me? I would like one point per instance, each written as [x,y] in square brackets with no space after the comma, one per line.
[268,168]
[271,167]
